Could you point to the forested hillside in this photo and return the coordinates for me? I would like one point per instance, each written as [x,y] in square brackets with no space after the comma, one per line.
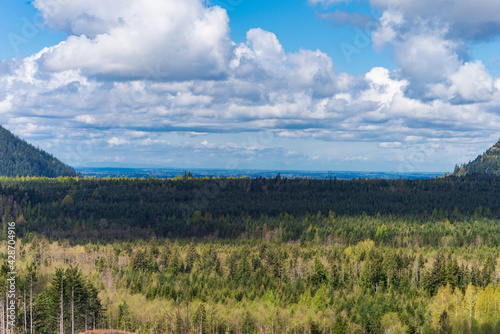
[18,157]
[486,163]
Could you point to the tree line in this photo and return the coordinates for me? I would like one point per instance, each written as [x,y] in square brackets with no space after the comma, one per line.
[227,207]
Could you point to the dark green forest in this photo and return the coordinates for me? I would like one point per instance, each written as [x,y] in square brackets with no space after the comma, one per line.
[18,157]
[86,208]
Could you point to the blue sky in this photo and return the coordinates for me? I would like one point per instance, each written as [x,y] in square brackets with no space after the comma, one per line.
[297,26]
[303,84]
[16,20]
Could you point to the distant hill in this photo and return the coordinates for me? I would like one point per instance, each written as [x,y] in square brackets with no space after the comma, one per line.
[17,157]
[486,163]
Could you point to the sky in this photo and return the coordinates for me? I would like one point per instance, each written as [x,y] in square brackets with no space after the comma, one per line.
[360,85]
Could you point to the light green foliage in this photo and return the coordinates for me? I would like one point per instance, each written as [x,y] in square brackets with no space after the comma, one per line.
[67,200]
[211,286]
[390,324]
[381,233]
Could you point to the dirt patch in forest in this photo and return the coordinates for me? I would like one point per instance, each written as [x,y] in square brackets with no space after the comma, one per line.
[106,331]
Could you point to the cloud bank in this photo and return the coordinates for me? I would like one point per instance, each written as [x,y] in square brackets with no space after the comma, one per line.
[151,77]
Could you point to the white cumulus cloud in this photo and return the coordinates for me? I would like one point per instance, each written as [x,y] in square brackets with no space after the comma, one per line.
[133,39]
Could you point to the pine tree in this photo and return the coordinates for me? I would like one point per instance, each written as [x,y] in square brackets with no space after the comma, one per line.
[44,314]
[488,271]
[123,315]
[32,274]
[340,326]
[319,272]
[243,269]
[192,256]
[451,272]
[444,323]
[61,303]
[247,326]
[200,322]
[372,272]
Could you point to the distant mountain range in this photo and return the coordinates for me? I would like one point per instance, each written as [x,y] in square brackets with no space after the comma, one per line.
[19,158]
[486,163]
